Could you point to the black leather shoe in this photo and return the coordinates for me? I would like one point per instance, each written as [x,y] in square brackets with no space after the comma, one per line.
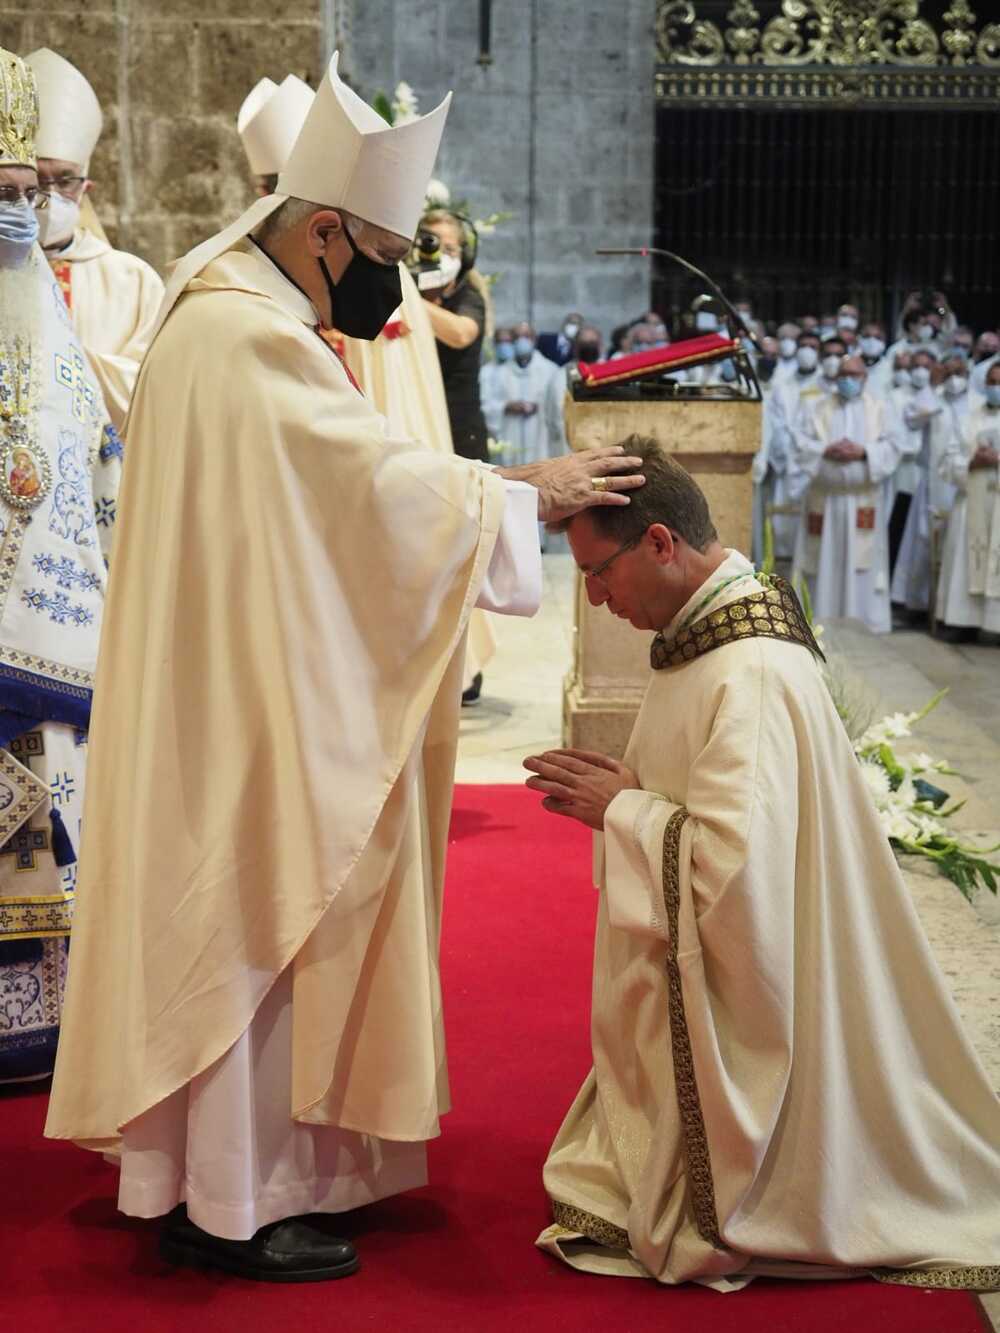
[471,695]
[288,1251]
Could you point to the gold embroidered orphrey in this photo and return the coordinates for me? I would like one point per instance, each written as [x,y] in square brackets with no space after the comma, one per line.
[697,1162]
[772,613]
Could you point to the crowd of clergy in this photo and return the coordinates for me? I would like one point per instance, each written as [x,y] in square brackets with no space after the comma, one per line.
[876,478]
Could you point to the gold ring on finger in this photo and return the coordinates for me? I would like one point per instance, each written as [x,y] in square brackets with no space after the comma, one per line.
[599,483]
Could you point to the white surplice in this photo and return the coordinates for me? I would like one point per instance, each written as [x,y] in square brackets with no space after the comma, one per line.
[842,547]
[781,1083]
[971,549]
[921,415]
[526,438]
[113,297]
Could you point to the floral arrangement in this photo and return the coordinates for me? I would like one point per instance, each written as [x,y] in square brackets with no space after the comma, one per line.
[911,808]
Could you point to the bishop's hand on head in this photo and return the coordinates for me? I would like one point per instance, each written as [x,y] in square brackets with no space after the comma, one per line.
[579,481]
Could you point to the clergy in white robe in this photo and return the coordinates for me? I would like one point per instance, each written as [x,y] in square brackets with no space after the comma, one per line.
[968,596]
[788,342]
[845,450]
[112,295]
[791,395]
[920,412]
[781,1084]
[59,469]
[275,728]
[520,387]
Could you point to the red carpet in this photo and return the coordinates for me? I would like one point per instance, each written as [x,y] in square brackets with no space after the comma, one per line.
[458,1255]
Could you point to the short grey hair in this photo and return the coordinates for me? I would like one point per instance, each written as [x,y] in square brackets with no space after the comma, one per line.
[294,211]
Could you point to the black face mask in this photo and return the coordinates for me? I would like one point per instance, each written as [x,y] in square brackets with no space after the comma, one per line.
[588,353]
[365,296]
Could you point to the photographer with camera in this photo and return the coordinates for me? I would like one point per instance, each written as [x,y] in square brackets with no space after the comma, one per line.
[442,262]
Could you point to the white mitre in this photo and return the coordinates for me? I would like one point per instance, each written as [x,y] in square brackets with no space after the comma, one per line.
[69,114]
[269,122]
[345,157]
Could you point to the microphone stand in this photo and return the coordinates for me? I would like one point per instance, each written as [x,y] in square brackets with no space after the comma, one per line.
[737,327]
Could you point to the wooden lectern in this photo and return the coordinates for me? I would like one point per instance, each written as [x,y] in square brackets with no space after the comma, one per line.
[715,440]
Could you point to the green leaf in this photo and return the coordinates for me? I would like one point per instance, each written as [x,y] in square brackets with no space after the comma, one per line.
[383,106]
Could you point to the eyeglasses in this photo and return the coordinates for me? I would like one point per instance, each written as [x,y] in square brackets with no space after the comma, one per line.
[596,573]
[68,186]
[13,194]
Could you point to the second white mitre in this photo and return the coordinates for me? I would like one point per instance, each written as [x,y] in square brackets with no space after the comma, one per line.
[113,296]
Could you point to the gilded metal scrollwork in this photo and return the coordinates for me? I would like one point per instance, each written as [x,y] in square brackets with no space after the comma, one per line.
[683,38]
[838,33]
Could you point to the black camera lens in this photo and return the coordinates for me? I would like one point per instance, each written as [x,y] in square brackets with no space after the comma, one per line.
[428,246]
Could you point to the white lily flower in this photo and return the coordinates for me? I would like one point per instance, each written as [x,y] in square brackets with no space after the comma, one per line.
[404,105]
[920,763]
[877,781]
[438,193]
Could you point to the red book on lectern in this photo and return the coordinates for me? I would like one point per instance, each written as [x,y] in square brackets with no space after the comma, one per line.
[657,361]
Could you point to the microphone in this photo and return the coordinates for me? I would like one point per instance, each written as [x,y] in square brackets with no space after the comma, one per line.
[737,327]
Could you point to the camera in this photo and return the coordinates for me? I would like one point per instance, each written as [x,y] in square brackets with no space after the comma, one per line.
[430,267]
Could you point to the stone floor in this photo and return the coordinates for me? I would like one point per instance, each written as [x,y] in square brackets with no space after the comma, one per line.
[521,711]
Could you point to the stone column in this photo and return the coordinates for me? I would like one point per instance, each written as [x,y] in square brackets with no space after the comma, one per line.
[716,442]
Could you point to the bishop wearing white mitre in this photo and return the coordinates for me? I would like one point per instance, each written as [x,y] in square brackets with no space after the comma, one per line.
[254,1010]
[113,296]
[59,472]
[399,371]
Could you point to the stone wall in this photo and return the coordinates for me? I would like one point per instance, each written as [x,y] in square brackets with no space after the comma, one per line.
[170,75]
[558,129]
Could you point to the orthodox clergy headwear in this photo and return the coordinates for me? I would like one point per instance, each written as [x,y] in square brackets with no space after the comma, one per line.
[269,122]
[18,112]
[70,117]
[346,157]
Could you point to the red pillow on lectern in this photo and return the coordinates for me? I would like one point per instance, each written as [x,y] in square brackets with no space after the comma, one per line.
[657,361]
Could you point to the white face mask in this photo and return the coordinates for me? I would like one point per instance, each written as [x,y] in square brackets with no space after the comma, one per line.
[831,366]
[807,358]
[901,378]
[955,385]
[571,330]
[826,331]
[786,348]
[57,223]
[872,348]
[847,321]
[925,332]
[705,321]
[920,377]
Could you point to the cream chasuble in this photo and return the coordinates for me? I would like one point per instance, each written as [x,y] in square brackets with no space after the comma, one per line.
[781,1083]
[400,373]
[113,297]
[274,728]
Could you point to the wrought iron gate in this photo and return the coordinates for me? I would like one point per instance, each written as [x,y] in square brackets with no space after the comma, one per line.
[836,151]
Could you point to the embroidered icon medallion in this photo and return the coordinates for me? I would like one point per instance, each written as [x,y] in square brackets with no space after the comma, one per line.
[25,474]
